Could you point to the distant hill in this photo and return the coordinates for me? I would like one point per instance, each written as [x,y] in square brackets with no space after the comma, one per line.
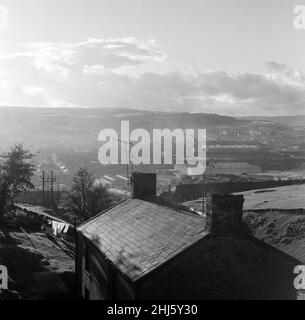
[286,120]
[78,128]
[66,138]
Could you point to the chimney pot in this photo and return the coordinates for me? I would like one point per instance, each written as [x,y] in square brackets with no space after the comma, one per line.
[223,212]
[144,185]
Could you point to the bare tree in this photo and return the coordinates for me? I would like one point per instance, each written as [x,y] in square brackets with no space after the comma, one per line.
[85,199]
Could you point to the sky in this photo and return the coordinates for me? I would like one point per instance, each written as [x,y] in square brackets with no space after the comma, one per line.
[232,57]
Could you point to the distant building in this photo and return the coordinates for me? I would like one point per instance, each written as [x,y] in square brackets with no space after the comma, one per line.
[140,249]
[225,168]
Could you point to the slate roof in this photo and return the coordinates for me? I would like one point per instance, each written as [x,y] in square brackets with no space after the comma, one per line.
[138,236]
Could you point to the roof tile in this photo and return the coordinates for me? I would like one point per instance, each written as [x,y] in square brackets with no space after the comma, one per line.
[138,236]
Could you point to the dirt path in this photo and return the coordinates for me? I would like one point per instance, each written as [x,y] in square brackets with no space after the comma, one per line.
[39,266]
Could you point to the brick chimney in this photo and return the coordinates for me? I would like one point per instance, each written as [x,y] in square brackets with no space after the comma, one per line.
[144,185]
[223,212]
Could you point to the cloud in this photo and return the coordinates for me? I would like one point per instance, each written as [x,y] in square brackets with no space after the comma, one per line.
[3,17]
[61,60]
[101,73]
[276,66]
[79,72]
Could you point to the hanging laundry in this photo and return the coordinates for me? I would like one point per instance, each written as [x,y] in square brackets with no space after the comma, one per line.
[55,227]
[66,228]
[59,227]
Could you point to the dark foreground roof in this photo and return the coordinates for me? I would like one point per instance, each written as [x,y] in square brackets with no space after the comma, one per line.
[40,211]
[138,236]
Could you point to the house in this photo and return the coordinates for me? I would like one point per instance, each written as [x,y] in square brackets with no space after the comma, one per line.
[142,249]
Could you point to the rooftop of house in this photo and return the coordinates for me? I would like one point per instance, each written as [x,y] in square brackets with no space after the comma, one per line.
[138,236]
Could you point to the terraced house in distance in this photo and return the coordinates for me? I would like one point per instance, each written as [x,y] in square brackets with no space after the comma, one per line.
[142,249]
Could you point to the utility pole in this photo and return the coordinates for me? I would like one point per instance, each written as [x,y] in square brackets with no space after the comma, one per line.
[57,194]
[47,191]
[203,180]
[204,174]
[208,164]
[52,188]
[48,188]
[43,199]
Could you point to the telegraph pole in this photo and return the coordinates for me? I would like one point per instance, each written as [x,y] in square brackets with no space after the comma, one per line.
[204,174]
[203,180]
[48,188]
[43,199]
[52,189]
[57,194]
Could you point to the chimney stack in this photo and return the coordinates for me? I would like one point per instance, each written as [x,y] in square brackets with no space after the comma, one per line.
[223,212]
[144,185]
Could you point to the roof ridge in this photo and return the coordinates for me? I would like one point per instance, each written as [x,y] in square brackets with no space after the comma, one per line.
[179,207]
[102,212]
[150,233]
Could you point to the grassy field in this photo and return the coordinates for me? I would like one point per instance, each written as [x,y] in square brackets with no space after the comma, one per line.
[283,198]
[284,229]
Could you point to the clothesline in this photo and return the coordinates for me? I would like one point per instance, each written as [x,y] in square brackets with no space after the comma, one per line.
[39,211]
[59,227]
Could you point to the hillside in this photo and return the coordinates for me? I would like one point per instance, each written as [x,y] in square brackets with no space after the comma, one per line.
[283,229]
[279,198]
[277,216]
[38,266]
[67,138]
[78,128]
[286,120]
